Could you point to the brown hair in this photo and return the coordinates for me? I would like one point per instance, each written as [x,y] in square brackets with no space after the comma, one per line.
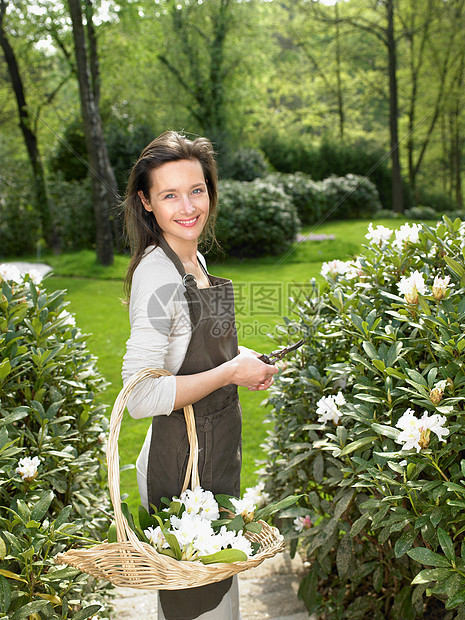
[141,226]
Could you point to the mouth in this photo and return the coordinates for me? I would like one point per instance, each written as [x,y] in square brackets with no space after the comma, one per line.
[188,223]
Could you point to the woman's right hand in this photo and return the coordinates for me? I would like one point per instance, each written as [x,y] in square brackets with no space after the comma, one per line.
[250,372]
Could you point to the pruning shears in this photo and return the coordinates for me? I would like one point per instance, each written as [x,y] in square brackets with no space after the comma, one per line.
[274,356]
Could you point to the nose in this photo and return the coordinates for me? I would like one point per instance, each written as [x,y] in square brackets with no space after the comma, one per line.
[187,206]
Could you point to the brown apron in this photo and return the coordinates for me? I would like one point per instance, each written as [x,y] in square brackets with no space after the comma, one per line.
[218,420]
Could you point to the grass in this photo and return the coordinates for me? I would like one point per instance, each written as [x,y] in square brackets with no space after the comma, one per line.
[262,288]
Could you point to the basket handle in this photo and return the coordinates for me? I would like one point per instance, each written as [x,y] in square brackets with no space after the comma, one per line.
[123,531]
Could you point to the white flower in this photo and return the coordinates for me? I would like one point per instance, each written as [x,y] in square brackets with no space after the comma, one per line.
[257,495]
[243,505]
[328,408]
[302,523]
[35,276]
[406,234]
[335,267]
[411,434]
[411,286]
[200,502]
[440,286]
[241,543]
[192,529]
[355,269]
[156,537]
[434,423]
[416,431]
[11,273]
[27,468]
[378,235]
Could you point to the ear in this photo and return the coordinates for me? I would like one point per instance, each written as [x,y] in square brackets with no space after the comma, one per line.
[144,200]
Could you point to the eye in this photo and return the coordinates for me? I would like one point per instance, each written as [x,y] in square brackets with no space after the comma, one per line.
[198,190]
[168,196]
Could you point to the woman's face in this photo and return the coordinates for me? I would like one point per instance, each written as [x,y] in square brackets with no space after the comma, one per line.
[179,200]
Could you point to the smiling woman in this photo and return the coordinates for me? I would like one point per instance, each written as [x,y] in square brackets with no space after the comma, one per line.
[182,320]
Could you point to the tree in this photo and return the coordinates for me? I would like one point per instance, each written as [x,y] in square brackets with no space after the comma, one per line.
[28,129]
[104,187]
[384,31]
[433,80]
[196,56]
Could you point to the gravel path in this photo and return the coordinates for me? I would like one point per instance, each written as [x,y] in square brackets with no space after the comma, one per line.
[268,592]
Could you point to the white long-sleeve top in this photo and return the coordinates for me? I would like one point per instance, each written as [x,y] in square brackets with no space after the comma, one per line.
[160,335]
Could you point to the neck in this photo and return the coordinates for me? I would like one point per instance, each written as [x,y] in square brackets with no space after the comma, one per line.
[186,250]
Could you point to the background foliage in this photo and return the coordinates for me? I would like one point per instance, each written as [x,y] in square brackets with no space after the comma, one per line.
[303,83]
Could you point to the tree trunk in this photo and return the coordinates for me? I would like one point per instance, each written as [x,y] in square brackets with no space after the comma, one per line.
[397,196]
[104,188]
[43,202]
[340,100]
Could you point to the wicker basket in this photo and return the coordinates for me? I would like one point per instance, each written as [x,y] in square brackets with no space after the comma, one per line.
[136,564]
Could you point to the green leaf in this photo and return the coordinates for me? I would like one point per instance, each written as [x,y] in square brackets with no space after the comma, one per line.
[87,612]
[404,543]
[344,555]
[387,431]
[379,364]
[2,549]
[145,520]
[370,350]
[112,533]
[236,524]
[393,372]
[455,266]
[271,509]
[378,578]
[173,543]
[416,377]
[224,556]
[359,443]
[446,544]
[5,368]
[41,507]
[254,527]
[431,574]
[5,594]
[428,557]
[29,609]
[359,524]
[456,599]
[225,501]
[62,517]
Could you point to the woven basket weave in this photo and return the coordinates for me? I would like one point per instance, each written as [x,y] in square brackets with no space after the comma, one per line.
[135,564]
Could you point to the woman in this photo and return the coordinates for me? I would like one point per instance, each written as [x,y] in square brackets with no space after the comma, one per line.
[182,320]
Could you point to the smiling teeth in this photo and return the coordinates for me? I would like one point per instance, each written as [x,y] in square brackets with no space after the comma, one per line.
[192,219]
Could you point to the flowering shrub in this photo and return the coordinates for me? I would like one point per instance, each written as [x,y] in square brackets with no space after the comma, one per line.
[52,436]
[200,526]
[369,423]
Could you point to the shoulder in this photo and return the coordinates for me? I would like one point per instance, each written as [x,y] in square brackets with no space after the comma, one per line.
[155,268]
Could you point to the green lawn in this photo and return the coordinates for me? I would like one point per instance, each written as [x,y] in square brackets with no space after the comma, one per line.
[262,286]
